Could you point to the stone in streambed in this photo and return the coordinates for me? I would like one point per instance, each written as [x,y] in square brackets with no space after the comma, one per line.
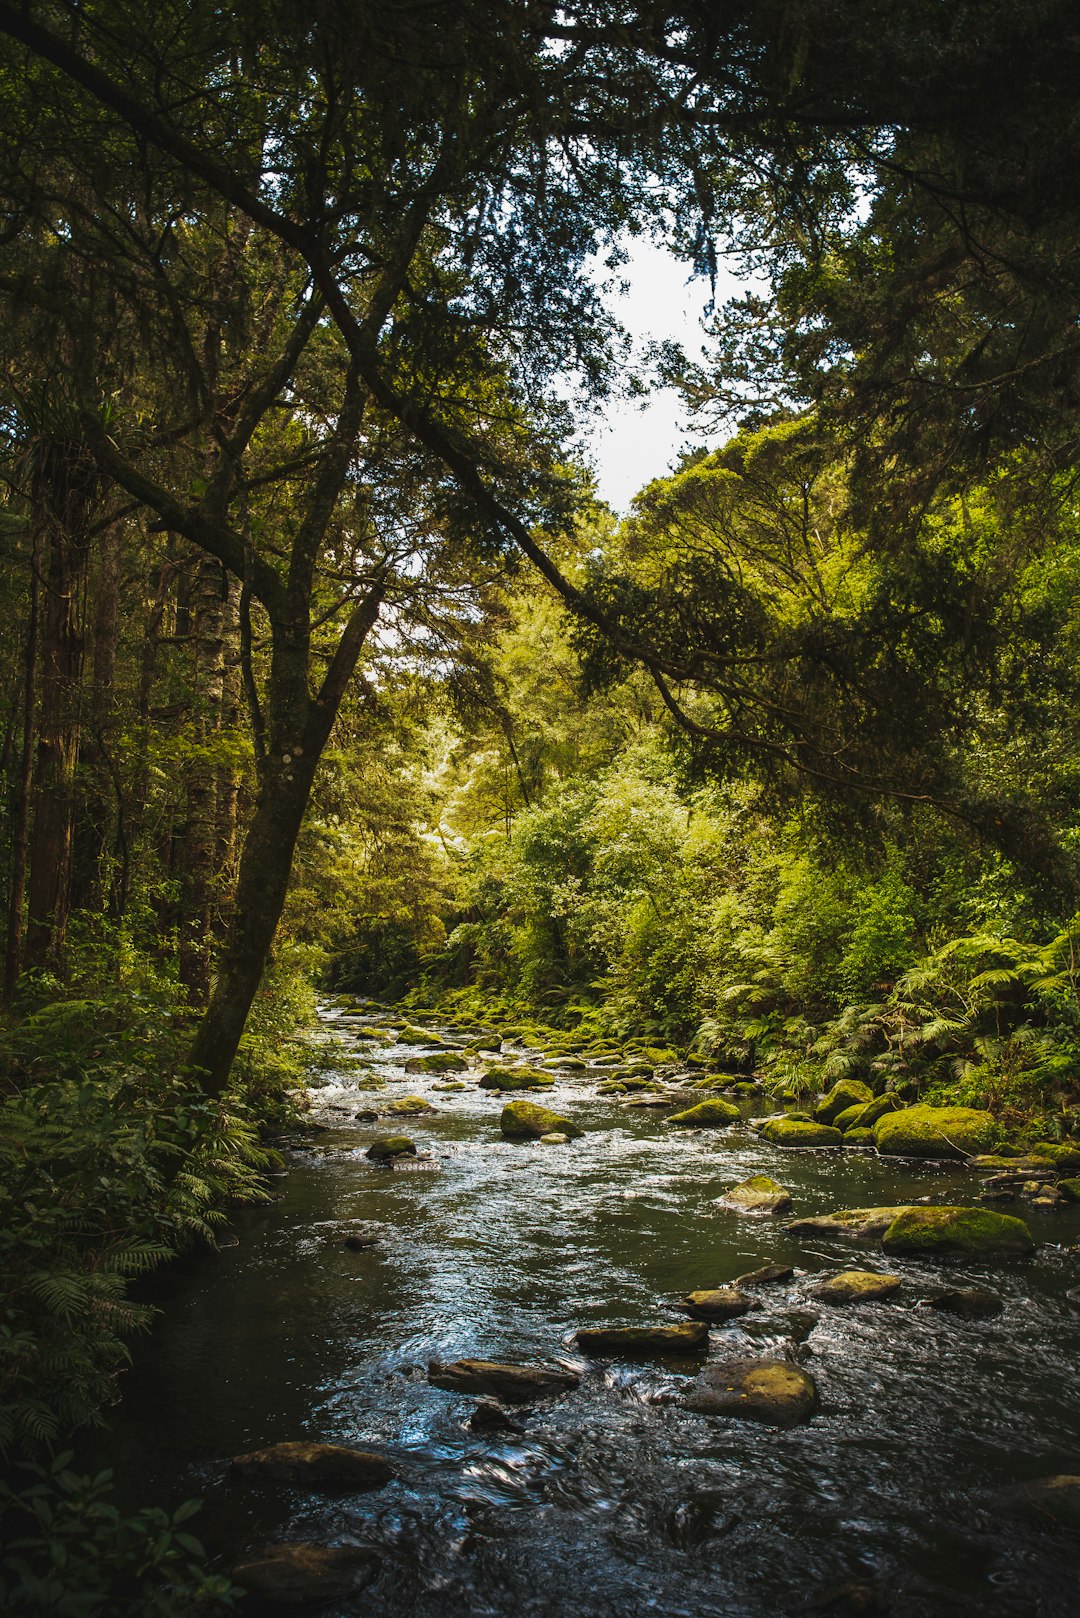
[516,1384]
[1065,1158]
[516,1078]
[642,1342]
[707,1115]
[971,1303]
[758,1195]
[489,1417]
[361,1237]
[775,1392]
[409,1107]
[796,1132]
[767,1274]
[302,1575]
[957,1233]
[442,1062]
[844,1094]
[557,1137]
[388,1147]
[857,1286]
[859,1137]
[317,1466]
[936,1132]
[524,1120]
[718,1303]
[848,1224]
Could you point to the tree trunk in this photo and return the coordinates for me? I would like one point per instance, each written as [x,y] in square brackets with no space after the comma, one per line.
[200,868]
[20,831]
[99,809]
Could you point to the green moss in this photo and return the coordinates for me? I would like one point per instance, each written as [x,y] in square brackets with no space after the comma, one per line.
[1070,1190]
[516,1078]
[943,1132]
[957,1232]
[409,1106]
[707,1115]
[796,1132]
[524,1120]
[443,1062]
[858,1137]
[1064,1157]
[381,1151]
[851,1117]
[844,1094]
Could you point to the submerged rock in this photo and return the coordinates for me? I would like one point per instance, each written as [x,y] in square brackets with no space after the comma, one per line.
[772,1391]
[945,1132]
[362,1236]
[325,1466]
[516,1384]
[973,1303]
[957,1233]
[718,1303]
[796,1132]
[388,1147]
[516,1078]
[304,1575]
[489,1417]
[707,1115]
[524,1120]
[758,1195]
[766,1275]
[857,1286]
[1054,1500]
[641,1342]
[844,1094]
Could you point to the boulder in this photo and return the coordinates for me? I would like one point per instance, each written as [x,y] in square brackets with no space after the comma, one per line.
[388,1147]
[556,1138]
[851,1117]
[772,1391]
[443,1062]
[516,1078]
[878,1108]
[301,1575]
[945,1132]
[1014,1169]
[317,1466]
[524,1120]
[642,1342]
[1070,1190]
[849,1224]
[857,1286]
[714,1114]
[767,1274]
[1065,1158]
[1054,1501]
[408,1107]
[516,1384]
[795,1132]
[957,1233]
[758,1195]
[489,1417]
[718,1303]
[410,1034]
[566,1064]
[447,1089]
[845,1093]
[972,1303]
[858,1137]
[362,1236]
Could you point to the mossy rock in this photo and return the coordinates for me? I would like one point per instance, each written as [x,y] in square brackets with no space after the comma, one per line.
[388,1147]
[1070,1190]
[889,1102]
[516,1078]
[746,1087]
[797,1132]
[849,1224]
[410,1034]
[442,1062]
[643,1342]
[758,1195]
[937,1132]
[718,1304]
[775,1392]
[859,1137]
[850,1117]
[857,1286]
[516,1384]
[566,1064]
[957,1233]
[1064,1157]
[409,1107]
[445,1089]
[524,1120]
[707,1115]
[844,1094]
[970,1303]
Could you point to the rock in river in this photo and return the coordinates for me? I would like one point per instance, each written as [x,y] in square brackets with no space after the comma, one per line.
[758,1195]
[409,1107]
[301,1575]
[957,1233]
[796,1132]
[388,1147]
[516,1078]
[642,1342]
[844,1094]
[936,1132]
[718,1303]
[707,1115]
[524,1120]
[441,1062]
[972,1303]
[317,1466]
[857,1286]
[849,1224]
[517,1384]
[767,1274]
[771,1391]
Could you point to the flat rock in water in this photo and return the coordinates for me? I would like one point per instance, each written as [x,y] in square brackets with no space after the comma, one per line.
[301,1575]
[718,1303]
[848,1224]
[800,1132]
[642,1342]
[758,1195]
[517,1384]
[328,1466]
[857,1286]
[388,1147]
[525,1120]
[1054,1500]
[489,1417]
[409,1107]
[766,1275]
[714,1114]
[972,1303]
[957,1233]
[775,1392]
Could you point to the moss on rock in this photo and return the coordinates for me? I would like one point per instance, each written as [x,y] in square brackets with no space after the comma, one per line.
[775,1392]
[939,1132]
[845,1093]
[713,1114]
[857,1286]
[758,1195]
[389,1147]
[957,1233]
[797,1132]
[524,1120]
[642,1342]
[440,1062]
[516,1078]
[409,1107]
[1065,1158]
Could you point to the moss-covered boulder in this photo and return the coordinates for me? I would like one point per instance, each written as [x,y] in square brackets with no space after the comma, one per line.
[758,1195]
[452,1086]
[859,1137]
[775,1392]
[643,1342]
[1070,1189]
[850,1118]
[715,1114]
[845,1093]
[524,1120]
[516,1078]
[300,1575]
[1064,1157]
[857,1286]
[388,1147]
[889,1102]
[848,1224]
[317,1466]
[957,1233]
[410,1034]
[409,1107]
[440,1062]
[718,1304]
[797,1132]
[939,1132]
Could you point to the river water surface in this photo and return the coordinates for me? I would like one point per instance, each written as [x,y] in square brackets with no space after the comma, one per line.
[611,1503]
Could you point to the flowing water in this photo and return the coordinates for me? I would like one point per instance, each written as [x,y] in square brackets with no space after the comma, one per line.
[612,1502]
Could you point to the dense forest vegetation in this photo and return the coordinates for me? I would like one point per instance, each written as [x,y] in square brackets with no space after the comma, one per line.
[322,666]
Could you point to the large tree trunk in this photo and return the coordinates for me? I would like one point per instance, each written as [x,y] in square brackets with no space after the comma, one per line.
[99,805]
[199,873]
[20,831]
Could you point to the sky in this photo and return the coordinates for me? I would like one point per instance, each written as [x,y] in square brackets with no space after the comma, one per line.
[638,440]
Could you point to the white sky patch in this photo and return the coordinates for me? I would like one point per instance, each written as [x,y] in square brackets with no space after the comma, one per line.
[639,439]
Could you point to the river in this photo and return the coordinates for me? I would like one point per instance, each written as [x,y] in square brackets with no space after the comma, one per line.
[612,1502]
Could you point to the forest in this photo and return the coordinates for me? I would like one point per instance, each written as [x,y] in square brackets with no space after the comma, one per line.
[360,768]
